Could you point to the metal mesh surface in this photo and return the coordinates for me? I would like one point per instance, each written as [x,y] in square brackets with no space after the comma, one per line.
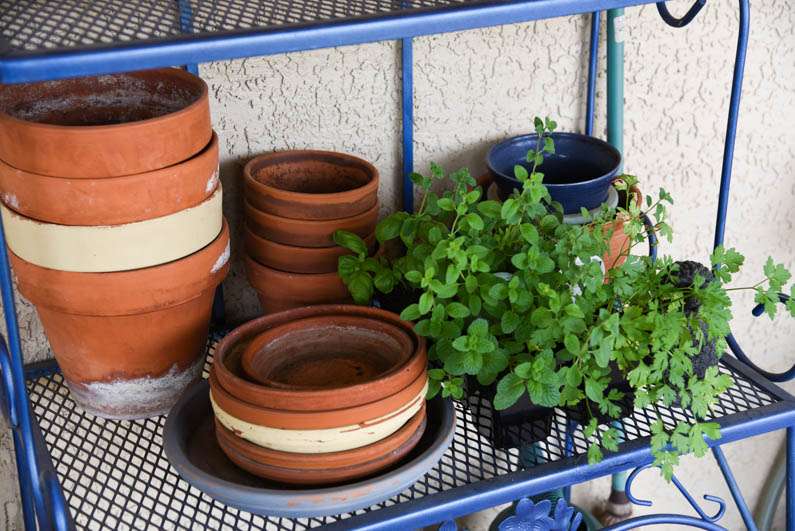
[115,473]
[31,25]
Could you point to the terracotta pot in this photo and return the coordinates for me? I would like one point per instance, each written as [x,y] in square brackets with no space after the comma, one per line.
[329,354]
[304,233]
[318,469]
[292,259]
[227,358]
[114,247]
[314,185]
[128,343]
[112,201]
[279,291]
[322,440]
[104,126]
[619,241]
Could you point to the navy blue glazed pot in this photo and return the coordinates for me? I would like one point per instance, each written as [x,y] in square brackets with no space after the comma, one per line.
[577,175]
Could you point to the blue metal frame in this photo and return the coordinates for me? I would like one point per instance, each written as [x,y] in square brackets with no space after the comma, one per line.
[42,496]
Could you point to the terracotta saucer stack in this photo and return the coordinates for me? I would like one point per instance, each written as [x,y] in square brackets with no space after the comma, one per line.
[295,201]
[319,395]
[111,205]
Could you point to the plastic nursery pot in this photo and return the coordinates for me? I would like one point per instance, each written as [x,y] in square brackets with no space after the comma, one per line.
[308,233]
[317,431]
[293,259]
[522,423]
[115,200]
[278,290]
[398,299]
[320,469]
[109,248]
[227,359]
[328,353]
[578,175]
[311,185]
[585,409]
[104,126]
[128,343]
[619,241]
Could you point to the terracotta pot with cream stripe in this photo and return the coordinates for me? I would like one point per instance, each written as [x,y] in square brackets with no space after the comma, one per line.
[128,342]
[104,126]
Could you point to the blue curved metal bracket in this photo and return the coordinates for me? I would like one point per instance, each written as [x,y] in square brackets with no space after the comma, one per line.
[686,19]
[532,516]
[664,519]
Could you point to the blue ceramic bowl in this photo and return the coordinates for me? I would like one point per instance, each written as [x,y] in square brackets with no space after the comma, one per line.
[577,175]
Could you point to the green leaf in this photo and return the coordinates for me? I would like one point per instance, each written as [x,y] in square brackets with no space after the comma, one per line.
[491,209]
[529,233]
[544,393]
[524,370]
[474,221]
[520,172]
[452,274]
[572,344]
[456,310]
[509,322]
[594,454]
[444,291]
[594,390]
[415,277]
[461,344]
[478,328]
[510,210]
[410,312]
[385,280]
[549,145]
[426,302]
[389,227]
[446,204]
[573,310]
[350,241]
[361,287]
[509,389]
[498,291]
[347,265]
[466,362]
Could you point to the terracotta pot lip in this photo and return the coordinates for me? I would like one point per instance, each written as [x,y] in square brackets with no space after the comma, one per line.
[368,240]
[201,100]
[316,224]
[241,386]
[285,275]
[404,339]
[312,154]
[206,151]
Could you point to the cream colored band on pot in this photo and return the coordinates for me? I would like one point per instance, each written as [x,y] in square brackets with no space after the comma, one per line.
[321,441]
[109,248]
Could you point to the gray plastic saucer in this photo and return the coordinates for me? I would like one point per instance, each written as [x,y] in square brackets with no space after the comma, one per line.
[191,447]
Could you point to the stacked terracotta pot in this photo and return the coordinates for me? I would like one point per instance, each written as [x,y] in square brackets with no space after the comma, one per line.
[295,201]
[111,205]
[319,395]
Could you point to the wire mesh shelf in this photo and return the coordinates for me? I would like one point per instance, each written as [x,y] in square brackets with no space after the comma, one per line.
[116,475]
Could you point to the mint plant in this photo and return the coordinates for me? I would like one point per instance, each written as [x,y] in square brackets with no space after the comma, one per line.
[511,296]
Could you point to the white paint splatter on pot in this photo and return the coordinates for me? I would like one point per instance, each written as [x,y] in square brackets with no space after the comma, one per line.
[222,260]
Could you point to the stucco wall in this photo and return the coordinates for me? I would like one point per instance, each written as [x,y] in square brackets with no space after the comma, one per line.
[478,86]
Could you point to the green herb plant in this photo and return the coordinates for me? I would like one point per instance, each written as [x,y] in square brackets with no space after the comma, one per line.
[511,296]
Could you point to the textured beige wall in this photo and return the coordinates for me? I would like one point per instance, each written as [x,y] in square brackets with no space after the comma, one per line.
[475,87]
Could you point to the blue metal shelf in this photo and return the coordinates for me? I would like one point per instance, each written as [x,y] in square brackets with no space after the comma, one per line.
[51,39]
[115,473]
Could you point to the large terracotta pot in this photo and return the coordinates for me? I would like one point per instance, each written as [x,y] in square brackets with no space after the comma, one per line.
[115,200]
[308,233]
[128,342]
[296,259]
[316,185]
[104,126]
[279,291]
[228,370]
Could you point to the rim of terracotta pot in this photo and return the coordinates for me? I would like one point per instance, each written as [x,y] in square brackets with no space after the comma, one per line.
[285,342]
[323,460]
[112,200]
[391,449]
[58,140]
[319,440]
[295,259]
[125,292]
[288,203]
[111,248]
[364,415]
[229,349]
[308,233]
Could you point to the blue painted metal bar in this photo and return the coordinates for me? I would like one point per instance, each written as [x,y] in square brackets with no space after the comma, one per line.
[791,478]
[665,519]
[731,126]
[593,60]
[739,501]
[686,19]
[121,57]
[186,25]
[407,70]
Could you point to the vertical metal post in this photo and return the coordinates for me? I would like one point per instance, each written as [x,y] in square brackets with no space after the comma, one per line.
[791,479]
[731,126]
[186,26]
[592,62]
[407,69]
[739,501]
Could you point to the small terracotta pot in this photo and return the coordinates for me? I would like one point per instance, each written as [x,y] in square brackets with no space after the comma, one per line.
[115,200]
[128,343]
[227,359]
[319,469]
[293,259]
[304,233]
[311,185]
[279,291]
[329,353]
[619,241]
[104,126]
